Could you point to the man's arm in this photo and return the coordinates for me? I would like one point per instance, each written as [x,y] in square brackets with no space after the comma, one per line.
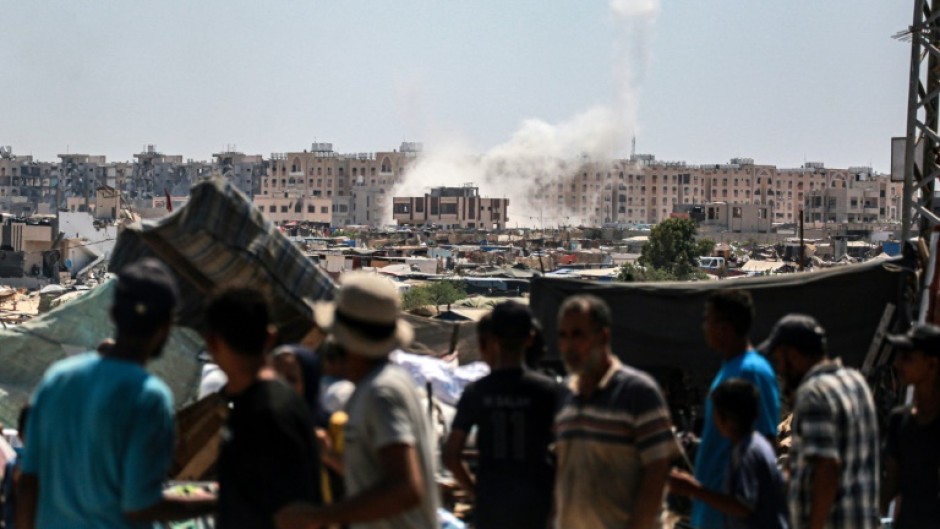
[172,508]
[453,460]
[825,487]
[27,497]
[401,488]
[890,483]
[649,498]
[684,484]
[327,456]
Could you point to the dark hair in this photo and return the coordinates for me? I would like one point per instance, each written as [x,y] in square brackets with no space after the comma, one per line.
[485,327]
[311,370]
[737,399]
[22,420]
[511,326]
[594,306]
[735,307]
[240,316]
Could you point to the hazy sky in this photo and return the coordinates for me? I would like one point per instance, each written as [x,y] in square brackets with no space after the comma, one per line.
[776,81]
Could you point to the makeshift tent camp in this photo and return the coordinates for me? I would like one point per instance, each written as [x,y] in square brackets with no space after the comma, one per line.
[217,239]
[220,239]
[657,326]
[27,350]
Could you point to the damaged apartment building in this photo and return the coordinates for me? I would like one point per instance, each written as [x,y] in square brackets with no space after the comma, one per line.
[78,182]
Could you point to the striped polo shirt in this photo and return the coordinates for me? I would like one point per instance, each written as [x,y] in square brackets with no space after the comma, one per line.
[603,441]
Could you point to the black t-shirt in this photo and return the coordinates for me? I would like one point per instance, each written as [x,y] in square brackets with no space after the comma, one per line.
[268,456]
[916,447]
[514,411]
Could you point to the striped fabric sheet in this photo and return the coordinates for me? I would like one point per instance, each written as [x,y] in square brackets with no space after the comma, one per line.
[219,238]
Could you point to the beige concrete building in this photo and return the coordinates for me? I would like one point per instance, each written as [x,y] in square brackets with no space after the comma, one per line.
[107,203]
[452,207]
[282,210]
[737,217]
[359,182]
[854,201]
[31,239]
[643,190]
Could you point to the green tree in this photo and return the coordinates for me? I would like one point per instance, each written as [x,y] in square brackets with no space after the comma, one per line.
[673,248]
[446,292]
[436,293]
[634,273]
[416,297]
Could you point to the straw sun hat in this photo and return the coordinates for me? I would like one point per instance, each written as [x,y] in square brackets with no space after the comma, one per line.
[364,318]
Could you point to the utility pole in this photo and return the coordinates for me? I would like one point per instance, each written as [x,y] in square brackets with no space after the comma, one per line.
[923,110]
[802,244]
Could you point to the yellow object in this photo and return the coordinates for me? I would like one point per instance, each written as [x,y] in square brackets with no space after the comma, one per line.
[337,430]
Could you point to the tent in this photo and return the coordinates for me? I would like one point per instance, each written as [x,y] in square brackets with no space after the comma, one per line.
[218,238]
[26,350]
[657,326]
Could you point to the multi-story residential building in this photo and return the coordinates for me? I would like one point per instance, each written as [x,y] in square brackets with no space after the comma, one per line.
[156,174]
[79,175]
[359,186]
[452,207]
[359,182]
[282,210]
[244,171]
[24,183]
[643,190]
[854,200]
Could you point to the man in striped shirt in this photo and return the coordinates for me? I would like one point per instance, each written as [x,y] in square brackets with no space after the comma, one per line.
[834,453]
[614,435]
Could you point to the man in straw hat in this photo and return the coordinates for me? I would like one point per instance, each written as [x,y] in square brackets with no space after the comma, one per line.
[388,457]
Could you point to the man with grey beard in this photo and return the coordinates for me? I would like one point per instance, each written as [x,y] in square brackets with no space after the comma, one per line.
[614,435]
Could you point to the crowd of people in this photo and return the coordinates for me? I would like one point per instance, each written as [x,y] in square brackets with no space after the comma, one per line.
[340,437]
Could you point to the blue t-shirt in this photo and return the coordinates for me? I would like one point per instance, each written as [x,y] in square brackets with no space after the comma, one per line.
[100,442]
[714,451]
[754,480]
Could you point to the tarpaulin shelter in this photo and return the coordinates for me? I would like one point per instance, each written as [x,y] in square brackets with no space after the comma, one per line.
[26,350]
[220,239]
[217,239]
[658,326]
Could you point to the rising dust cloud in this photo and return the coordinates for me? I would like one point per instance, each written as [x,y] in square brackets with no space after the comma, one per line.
[543,154]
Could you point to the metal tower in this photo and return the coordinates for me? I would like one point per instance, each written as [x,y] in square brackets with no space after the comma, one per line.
[922,147]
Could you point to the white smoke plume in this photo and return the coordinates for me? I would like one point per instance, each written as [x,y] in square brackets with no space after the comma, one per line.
[540,156]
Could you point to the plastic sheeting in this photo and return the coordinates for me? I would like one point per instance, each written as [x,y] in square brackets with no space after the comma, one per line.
[27,350]
[447,379]
[658,326]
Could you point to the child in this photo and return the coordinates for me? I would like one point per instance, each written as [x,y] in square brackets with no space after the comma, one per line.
[753,493]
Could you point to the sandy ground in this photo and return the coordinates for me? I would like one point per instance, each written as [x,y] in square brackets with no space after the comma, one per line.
[19,307]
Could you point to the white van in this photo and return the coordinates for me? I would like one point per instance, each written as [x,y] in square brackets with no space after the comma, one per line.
[711,263]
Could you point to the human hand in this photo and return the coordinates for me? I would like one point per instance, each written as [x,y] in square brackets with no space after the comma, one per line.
[324,442]
[682,483]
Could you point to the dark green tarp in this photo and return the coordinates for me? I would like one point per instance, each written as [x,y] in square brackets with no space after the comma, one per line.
[657,326]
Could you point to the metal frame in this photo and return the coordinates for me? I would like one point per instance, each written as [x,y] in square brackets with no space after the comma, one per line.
[923,111]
